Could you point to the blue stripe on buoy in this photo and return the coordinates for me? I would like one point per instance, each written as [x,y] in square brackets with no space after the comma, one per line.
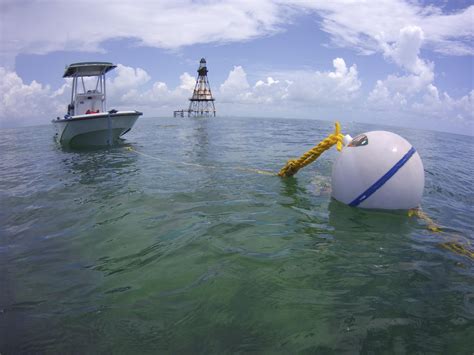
[380,182]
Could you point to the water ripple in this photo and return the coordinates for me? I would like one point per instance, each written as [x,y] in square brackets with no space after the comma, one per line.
[182,250]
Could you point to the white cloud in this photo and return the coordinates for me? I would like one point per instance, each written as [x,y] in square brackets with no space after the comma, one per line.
[22,103]
[326,88]
[313,87]
[413,98]
[84,25]
[369,27]
[405,51]
[126,79]
[429,109]
[159,99]
[271,91]
[446,108]
[396,90]
[383,97]
[236,86]
[365,26]
[187,82]
[413,95]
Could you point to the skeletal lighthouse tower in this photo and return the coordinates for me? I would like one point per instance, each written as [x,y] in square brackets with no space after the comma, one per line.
[201,103]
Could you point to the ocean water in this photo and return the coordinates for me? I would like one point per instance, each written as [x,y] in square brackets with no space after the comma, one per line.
[170,242]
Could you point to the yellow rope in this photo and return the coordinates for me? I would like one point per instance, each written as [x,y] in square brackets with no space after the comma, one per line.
[252,170]
[453,245]
[430,224]
[458,249]
[293,165]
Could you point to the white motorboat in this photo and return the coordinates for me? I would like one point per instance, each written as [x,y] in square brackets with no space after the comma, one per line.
[87,122]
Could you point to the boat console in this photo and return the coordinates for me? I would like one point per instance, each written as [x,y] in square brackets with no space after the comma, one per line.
[91,101]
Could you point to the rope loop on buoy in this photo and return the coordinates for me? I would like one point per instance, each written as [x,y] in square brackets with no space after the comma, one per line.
[293,165]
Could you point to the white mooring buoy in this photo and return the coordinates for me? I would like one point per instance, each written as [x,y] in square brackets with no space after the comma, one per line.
[378,169]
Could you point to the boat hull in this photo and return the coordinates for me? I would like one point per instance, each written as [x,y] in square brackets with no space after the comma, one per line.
[97,129]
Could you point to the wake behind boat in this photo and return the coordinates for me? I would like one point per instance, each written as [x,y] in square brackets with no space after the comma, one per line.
[87,122]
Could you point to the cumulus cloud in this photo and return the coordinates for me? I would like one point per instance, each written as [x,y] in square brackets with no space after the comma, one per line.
[22,103]
[126,78]
[340,85]
[444,107]
[416,97]
[413,93]
[411,96]
[236,86]
[314,87]
[397,90]
[405,51]
[187,82]
[270,90]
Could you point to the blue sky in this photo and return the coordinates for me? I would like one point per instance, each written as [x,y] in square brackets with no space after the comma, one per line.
[407,63]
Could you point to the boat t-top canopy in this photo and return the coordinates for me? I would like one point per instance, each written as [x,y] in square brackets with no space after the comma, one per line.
[87,69]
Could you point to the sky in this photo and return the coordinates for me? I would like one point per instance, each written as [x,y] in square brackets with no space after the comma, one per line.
[391,62]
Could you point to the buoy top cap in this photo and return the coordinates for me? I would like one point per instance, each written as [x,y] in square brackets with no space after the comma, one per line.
[359,140]
[379,138]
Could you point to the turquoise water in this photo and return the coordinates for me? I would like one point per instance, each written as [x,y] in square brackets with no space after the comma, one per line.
[177,246]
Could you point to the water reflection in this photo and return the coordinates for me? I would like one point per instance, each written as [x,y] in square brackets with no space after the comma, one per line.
[101,165]
[195,139]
